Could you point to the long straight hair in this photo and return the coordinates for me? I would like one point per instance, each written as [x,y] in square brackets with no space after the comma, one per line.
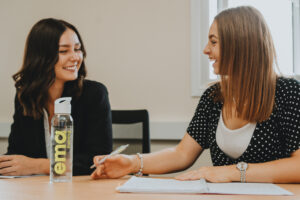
[247,56]
[37,73]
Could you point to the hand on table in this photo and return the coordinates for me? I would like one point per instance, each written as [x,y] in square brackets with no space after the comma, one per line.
[19,165]
[218,174]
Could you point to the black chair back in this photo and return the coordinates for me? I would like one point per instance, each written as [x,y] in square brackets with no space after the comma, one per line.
[133,117]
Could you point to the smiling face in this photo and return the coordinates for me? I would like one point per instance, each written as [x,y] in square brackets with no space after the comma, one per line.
[212,49]
[70,57]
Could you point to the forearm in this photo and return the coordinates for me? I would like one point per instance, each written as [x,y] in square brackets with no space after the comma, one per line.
[279,171]
[167,160]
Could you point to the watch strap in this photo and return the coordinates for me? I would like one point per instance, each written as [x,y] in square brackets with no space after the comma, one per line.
[243,176]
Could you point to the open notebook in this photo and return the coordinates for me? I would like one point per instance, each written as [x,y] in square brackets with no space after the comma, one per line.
[157,185]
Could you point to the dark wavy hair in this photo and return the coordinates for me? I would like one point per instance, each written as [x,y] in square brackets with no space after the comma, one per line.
[37,73]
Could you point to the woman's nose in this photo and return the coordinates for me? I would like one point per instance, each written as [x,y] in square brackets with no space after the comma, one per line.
[206,50]
[74,56]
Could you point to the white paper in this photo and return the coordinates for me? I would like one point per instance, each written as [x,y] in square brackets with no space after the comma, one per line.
[156,185]
[247,188]
[9,177]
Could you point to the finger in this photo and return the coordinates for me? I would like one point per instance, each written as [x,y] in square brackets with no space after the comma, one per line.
[100,170]
[6,158]
[97,158]
[11,174]
[186,176]
[99,173]
[93,175]
[7,170]
[182,176]
[103,176]
[195,175]
[5,164]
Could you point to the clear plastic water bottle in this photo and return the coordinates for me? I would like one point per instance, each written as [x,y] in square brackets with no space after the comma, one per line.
[61,152]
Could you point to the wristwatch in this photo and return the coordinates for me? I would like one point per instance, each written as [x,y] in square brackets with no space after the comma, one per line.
[242,166]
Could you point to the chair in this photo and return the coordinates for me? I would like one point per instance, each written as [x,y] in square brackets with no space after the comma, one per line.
[131,127]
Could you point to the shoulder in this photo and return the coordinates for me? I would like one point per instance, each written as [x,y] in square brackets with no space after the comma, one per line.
[94,86]
[93,91]
[287,87]
[287,83]
[210,93]
[208,99]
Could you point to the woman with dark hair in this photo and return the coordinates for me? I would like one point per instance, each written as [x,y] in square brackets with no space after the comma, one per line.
[250,119]
[54,67]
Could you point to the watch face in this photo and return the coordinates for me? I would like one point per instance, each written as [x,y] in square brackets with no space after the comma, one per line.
[242,166]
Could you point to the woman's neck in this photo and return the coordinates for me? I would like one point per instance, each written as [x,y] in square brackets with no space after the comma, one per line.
[231,120]
[55,91]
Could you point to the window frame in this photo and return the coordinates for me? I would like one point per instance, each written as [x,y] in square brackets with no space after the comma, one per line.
[296,37]
[199,30]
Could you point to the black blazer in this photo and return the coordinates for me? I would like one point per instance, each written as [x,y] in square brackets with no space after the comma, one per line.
[92,129]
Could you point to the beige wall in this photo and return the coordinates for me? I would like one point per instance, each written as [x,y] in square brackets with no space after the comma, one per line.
[3,145]
[138,48]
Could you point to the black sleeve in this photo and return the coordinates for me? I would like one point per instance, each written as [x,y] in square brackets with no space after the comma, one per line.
[27,135]
[199,125]
[96,132]
[15,139]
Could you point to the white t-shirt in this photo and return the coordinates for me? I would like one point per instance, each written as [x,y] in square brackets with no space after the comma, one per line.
[234,142]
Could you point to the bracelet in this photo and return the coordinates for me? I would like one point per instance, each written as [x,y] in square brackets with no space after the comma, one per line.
[140,172]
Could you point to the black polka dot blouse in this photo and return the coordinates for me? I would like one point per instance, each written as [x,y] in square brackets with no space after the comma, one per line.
[272,139]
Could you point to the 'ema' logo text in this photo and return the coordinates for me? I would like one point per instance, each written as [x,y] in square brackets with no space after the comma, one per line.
[60,152]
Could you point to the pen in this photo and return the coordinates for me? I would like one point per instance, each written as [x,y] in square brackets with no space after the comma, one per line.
[117,151]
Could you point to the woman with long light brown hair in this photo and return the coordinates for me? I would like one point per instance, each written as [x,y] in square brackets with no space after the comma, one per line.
[250,119]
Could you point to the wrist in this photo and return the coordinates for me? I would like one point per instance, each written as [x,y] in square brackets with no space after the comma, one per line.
[140,172]
[42,166]
[234,174]
[135,164]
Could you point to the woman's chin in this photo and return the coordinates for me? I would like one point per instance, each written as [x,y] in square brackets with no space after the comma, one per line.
[216,71]
[68,78]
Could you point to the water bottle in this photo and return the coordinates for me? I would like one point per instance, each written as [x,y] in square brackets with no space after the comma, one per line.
[61,152]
